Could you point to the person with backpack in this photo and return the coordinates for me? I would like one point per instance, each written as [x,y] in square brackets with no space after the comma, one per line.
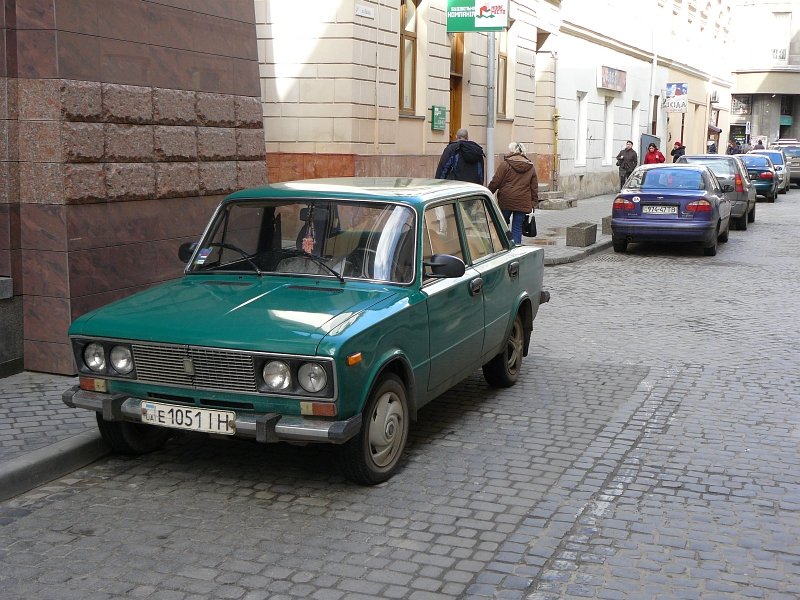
[462,159]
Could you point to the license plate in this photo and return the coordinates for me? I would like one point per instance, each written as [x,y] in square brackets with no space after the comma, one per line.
[659,210]
[188,417]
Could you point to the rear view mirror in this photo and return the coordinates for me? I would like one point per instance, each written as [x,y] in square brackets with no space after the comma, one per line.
[186,250]
[445,265]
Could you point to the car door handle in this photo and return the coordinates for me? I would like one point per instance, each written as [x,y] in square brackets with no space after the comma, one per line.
[513,269]
[475,286]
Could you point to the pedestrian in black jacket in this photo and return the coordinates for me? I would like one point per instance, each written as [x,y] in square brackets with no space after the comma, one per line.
[627,159]
[678,151]
[462,160]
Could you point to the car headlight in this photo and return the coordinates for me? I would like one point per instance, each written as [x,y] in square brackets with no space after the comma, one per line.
[95,357]
[121,359]
[277,375]
[312,377]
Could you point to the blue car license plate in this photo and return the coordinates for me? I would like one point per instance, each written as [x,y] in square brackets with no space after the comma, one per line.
[659,210]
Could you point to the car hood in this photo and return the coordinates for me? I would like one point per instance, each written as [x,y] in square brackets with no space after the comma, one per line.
[263,314]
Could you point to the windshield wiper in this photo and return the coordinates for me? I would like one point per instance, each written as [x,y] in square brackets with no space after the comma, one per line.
[313,257]
[236,249]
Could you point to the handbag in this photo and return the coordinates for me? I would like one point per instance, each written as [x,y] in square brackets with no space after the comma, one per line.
[529,226]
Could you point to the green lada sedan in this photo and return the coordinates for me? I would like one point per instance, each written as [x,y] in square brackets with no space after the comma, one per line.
[327,310]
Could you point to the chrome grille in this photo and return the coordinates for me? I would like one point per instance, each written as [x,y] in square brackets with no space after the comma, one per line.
[214,369]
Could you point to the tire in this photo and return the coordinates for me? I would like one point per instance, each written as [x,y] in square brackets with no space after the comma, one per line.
[741,222]
[723,237]
[131,438]
[373,455]
[620,245]
[503,370]
[712,249]
[751,216]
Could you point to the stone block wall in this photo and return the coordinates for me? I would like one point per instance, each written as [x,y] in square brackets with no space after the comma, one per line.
[115,147]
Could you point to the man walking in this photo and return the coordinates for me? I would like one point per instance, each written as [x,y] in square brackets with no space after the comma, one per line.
[462,159]
[627,159]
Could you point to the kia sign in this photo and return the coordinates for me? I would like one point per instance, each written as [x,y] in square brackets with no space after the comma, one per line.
[677,100]
[477,15]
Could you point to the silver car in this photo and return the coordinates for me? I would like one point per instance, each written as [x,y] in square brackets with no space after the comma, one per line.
[791,148]
[782,166]
[736,183]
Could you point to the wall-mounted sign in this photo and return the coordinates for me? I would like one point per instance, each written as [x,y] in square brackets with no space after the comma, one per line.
[438,117]
[741,105]
[677,99]
[477,15]
[609,78]
[365,11]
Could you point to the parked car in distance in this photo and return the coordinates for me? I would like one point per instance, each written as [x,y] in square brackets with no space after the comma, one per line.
[782,166]
[730,171]
[327,310]
[762,173]
[791,148]
[671,203]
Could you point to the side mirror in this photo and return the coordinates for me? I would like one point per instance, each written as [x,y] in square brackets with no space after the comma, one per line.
[445,265]
[186,250]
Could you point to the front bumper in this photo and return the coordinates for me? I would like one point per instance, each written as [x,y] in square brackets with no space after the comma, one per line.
[265,428]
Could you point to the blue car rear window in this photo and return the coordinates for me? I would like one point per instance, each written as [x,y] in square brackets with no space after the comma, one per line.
[672,179]
[752,160]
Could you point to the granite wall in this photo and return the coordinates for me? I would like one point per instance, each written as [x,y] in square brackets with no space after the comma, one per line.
[130,121]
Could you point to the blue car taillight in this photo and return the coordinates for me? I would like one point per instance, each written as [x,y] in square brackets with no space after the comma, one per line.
[623,205]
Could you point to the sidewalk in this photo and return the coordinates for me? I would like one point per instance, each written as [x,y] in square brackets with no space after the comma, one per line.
[42,439]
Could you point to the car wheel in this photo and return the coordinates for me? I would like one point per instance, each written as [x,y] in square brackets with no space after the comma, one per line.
[620,245]
[712,249]
[374,454]
[771,196]
[751,216]
[503,369]
[131,438]
[741,222]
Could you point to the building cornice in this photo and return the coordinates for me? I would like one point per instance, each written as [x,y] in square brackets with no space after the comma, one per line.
[574,30]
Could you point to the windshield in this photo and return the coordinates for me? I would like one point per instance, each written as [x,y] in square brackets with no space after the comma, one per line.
[666,178]
[361,240]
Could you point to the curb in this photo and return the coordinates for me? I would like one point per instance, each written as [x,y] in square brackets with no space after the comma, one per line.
[577,254]
[50,462]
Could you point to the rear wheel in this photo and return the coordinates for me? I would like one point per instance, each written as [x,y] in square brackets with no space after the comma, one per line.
[620,245]
[374,454]
[503,369]
[741,222]
[751,216]
[131,438]
[712,249]
[723,237]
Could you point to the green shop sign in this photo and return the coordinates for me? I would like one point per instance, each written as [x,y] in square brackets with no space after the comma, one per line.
[438,115]
[477,15]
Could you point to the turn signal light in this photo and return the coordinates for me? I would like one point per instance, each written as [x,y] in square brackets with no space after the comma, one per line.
[699,206]
[90,384]
[318,409]
[739,183]
[623,204]
[766,175]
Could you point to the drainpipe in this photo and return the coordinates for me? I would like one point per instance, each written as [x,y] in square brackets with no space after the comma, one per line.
[556,117]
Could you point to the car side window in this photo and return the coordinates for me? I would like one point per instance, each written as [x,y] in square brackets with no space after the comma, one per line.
[440,232]
[481,233]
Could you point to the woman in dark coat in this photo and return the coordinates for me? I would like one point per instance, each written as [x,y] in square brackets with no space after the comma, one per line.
[517,188]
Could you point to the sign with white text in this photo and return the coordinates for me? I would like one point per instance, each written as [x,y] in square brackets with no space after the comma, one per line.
[477,15]
[677,100]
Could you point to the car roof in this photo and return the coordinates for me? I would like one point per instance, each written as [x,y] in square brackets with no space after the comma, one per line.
[676,165]
[728,157]
[407,189]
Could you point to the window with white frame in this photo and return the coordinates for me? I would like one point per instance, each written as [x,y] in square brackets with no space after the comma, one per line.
[780,36]
[635,122]
[608,131]
[502,72]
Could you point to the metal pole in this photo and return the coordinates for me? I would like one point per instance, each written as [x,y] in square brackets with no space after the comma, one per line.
[491,100]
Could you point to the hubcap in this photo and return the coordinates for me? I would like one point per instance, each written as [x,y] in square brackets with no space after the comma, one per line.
[514,349]
[386,429]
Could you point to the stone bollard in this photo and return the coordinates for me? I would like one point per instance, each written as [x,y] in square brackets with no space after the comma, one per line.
[607,225]
[582,234]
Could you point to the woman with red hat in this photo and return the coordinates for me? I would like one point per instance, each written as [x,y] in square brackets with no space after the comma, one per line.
[678,151]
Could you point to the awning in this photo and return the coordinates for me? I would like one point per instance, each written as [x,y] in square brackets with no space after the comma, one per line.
[714,128]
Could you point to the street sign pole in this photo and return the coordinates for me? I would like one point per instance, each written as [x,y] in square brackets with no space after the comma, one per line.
[491,109]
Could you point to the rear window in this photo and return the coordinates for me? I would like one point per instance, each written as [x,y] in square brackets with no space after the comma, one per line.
[791,151]
[682,179]
[719,166]
[754,160]
[776,157]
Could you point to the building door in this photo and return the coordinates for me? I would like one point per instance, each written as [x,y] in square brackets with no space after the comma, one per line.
[456,81]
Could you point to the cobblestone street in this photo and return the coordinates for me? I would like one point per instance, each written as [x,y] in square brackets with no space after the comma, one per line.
[649,451]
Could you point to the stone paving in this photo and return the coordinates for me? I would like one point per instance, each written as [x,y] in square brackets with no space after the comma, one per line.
[648,451]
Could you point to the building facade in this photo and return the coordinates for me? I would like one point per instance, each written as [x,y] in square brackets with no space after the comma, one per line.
[115,148]
[766,104]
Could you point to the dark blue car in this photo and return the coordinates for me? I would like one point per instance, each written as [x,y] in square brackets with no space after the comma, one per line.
[671,203]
